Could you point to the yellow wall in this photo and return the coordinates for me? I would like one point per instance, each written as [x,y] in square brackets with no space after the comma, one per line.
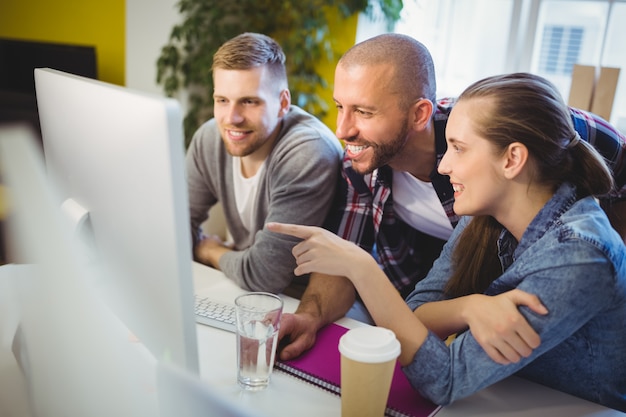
[344,31]
[99,23]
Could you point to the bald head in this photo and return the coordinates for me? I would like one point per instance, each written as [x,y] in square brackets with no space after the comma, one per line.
[413,74]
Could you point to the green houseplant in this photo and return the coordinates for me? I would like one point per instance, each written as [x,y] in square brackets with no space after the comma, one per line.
[300,26]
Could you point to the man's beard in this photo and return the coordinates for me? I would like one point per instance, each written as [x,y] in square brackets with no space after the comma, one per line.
[385,152]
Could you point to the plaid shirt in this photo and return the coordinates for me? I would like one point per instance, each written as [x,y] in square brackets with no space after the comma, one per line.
[364,213]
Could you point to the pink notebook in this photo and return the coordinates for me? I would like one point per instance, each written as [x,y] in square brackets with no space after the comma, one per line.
[321,366]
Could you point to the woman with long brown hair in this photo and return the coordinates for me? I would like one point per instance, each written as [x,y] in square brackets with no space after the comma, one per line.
[536,243]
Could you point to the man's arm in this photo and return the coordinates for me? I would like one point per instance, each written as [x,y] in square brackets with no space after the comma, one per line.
[298,184]
[210,249]
[200,187]
[326,299]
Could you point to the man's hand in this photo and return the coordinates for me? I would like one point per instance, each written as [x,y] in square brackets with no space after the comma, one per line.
[326,299]
[498,326]
[210,249]
[296,335]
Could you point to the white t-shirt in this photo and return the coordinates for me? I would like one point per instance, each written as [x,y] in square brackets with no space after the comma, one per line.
[246,190]
[417,204]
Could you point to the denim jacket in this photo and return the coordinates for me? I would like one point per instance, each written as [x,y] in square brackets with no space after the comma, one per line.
[572,259]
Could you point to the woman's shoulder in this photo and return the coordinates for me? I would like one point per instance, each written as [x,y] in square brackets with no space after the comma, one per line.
[586,216]
[585,221]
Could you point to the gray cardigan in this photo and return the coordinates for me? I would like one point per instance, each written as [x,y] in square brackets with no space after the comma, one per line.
[297,186]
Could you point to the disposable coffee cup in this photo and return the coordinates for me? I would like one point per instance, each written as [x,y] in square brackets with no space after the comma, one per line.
[368,358]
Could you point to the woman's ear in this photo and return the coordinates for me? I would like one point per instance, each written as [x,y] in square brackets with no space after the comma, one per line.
[515,158]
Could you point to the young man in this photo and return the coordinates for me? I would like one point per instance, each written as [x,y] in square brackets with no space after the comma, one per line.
[263,159]
[392,200]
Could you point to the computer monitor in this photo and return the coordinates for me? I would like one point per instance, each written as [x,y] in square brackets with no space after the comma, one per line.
[63,352]
[116,157]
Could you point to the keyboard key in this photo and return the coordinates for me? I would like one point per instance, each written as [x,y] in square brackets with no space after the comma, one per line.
[215,314]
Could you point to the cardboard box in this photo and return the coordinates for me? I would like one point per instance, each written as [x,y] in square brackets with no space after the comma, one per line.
[591,93]
[604,93]
[581,90]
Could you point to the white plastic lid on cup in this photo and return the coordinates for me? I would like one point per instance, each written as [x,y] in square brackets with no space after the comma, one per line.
[369,344]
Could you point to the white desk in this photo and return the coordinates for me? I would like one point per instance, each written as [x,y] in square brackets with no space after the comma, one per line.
[288,396]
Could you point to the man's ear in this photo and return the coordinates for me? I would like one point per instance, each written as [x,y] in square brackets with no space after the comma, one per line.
[285,102]
[421,112]
[515,159]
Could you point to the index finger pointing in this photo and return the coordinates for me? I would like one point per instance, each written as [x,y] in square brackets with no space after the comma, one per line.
[303,232]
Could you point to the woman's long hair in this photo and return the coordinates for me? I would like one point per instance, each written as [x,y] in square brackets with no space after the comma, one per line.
[528,109]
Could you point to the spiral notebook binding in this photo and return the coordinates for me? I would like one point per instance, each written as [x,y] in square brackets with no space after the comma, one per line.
[319,382]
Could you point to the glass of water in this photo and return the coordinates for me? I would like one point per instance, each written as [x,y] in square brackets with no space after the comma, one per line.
[258,320]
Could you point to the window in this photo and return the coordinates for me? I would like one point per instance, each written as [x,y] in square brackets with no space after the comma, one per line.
[560,49]
[472,40]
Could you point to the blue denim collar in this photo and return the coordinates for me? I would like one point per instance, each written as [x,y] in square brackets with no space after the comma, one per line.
[561,201]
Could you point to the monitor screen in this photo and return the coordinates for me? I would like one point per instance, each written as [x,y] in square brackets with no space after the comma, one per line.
[116,157]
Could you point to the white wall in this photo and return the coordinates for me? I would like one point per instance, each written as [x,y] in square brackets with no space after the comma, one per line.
[148,27]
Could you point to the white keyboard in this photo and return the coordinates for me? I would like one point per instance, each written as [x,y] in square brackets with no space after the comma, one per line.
[215,313]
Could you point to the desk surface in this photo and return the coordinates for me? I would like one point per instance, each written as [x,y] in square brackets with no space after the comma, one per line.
[512,397]
[286,395]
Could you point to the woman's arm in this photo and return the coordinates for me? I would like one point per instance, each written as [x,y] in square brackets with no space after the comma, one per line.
[495,322]
[324,252]
[388,309]
[447,373]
